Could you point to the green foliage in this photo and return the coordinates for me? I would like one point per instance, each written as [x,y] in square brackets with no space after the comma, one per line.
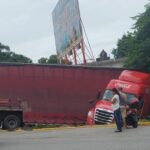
[139,58]
[142,25]
[42,60]
[4,47]
[8,56]
[136,46]
[20,58]
[51,60]
[124,45]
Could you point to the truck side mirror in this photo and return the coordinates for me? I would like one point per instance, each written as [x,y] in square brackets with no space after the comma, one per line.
[91,101]
[98,95]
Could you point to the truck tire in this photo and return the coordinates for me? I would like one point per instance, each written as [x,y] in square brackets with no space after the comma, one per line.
[135,125]
[135,122]
[11,122]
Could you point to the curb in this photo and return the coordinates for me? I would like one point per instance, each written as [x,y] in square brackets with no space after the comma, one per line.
[87,126]
[141,123]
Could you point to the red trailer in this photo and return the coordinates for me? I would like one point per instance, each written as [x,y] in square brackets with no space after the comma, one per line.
[49,94]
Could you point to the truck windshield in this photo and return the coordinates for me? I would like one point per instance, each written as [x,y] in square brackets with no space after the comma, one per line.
[108,95]
[129,97]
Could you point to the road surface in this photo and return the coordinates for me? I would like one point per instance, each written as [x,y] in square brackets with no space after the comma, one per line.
[98,138]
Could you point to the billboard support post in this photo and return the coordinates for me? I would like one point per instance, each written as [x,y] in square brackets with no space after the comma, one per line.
[83,51]
[75,55]
[66,59]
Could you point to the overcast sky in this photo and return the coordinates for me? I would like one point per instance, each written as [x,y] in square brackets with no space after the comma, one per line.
[26,25]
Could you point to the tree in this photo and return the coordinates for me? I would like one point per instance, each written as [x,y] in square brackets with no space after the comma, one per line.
[4,47]
[20,58]
[139,58]
[51,60]
[8,56]
[136,46]
[13,57]
[43,60]
[124,45]
[142,25]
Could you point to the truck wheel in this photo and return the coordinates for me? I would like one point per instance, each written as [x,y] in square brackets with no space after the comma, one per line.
[11,122]
[135,125]
[135,122]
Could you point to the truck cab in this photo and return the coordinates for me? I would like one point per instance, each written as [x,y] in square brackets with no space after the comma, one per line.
[10,115]
[134,84]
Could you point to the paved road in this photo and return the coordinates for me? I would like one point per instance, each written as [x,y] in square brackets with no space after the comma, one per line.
[77,139]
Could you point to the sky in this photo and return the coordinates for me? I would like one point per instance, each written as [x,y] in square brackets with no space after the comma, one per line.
[26,25]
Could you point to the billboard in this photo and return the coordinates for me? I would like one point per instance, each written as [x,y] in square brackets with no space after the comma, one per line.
[67,25]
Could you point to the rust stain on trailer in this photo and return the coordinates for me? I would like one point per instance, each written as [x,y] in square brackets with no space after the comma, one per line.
[24,105]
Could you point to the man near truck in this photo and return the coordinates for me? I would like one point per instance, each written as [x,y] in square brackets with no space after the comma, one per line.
[116,108]
[123,103]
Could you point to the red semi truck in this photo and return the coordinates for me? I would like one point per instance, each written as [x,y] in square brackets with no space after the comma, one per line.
[134,84]
[48,94]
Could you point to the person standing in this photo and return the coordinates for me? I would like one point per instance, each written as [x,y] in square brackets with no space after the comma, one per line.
[116,108]
[123,105]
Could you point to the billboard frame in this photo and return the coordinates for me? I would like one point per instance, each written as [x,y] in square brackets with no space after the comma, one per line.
[73,44]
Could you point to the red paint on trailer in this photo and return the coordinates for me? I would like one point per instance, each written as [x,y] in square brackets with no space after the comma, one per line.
[52,93]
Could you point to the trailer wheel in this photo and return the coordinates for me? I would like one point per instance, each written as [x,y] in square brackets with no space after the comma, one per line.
[11,122]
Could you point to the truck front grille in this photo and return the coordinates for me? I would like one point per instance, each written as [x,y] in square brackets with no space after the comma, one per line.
[103,116]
